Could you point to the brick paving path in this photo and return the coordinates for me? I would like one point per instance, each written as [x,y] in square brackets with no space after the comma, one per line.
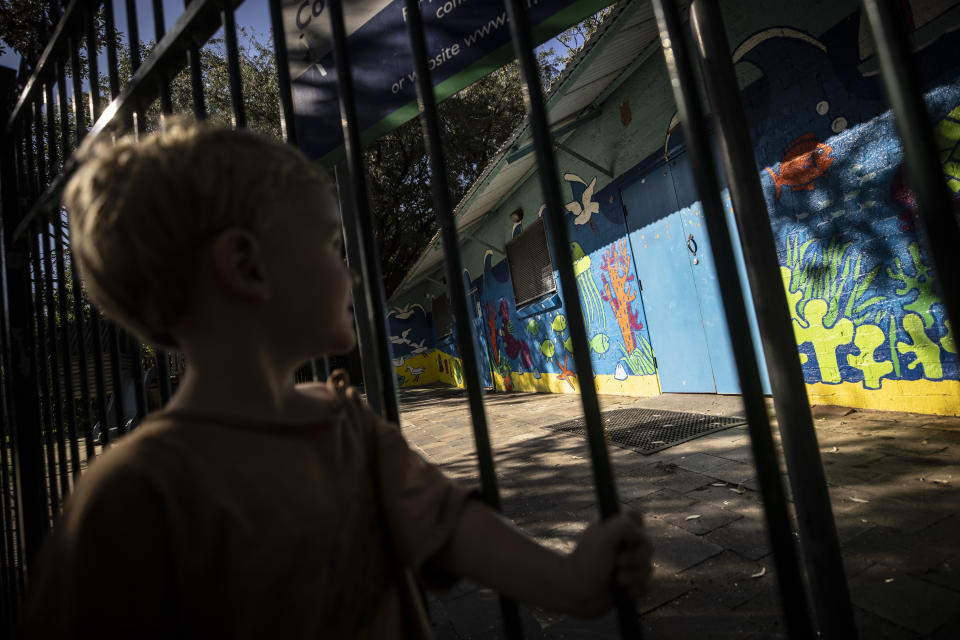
[893,480]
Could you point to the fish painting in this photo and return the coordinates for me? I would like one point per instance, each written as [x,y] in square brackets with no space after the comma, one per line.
[803,162]
[547,348]
[600,343]
[533,328]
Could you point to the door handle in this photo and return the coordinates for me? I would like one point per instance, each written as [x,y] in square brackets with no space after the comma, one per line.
[692,249]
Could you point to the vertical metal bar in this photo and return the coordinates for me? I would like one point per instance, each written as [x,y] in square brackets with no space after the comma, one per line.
[111,35]
[64,108]
[282,58]
[196,77]
[457,291]
[160,29]
[96,329]
[901,81]
[12,538]
[376,316]
[163,375]
[52,155]
[116,372]
[64,314]
[560,238]
[366,337]
[233,66]
[79,113]
[793,597]
[140,397]
[56,403]
[83,361]
[13,577]
[57,407]
[80,308]
[133,35]
[36,170]
[62,294]
[818,534]
[93,70]
[21,375]
[43,373]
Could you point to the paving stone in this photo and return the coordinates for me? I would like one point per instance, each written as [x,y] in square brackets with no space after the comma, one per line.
[697,615]
[664,501]
[909,517]
[681,479]
[664,587]
[746,503]
[726,577]
[870,626]
[902,599]
[766,613]
[676,549]
[746,536]
[477,616]
[701,462]
[909,526]
[950,630]
[570,628]
[732,472]
[940,541]
[708,517]
[632,488]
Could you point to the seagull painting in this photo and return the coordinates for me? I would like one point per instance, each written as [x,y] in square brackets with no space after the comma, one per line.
[415,372]
[402,338]
[405,312]
[419,347]
[586,207]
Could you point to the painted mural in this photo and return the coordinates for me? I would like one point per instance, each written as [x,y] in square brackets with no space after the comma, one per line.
[869,325]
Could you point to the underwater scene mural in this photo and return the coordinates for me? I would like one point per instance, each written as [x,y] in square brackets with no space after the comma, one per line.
[870,328]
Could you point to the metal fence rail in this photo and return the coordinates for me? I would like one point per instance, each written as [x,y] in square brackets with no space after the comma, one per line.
[54,343]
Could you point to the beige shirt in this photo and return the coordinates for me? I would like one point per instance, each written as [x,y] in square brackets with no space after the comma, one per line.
[194,526]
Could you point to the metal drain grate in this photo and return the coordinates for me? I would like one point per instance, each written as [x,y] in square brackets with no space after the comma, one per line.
[651,430]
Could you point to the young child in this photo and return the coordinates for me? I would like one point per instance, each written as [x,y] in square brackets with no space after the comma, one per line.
[250,506]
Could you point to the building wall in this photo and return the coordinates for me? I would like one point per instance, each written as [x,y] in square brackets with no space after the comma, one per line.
[870,328]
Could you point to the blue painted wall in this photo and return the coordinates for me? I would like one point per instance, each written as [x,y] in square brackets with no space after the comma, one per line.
[869,325]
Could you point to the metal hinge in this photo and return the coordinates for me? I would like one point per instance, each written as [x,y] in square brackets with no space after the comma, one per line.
[655,366]
[639,284]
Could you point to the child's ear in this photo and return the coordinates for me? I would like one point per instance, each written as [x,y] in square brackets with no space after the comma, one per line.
[238,264]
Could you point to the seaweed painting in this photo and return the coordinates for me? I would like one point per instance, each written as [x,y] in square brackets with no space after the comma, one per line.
[589,294]
[619,293]
[834,276]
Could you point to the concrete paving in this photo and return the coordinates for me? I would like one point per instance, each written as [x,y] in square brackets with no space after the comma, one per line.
[893,480]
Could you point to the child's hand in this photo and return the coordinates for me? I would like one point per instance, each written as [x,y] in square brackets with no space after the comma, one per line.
[615,551]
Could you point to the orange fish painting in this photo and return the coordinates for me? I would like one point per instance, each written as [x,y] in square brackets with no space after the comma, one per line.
[803,162]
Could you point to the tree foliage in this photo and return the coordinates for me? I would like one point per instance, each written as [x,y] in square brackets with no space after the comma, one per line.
[474,123]
[22,25]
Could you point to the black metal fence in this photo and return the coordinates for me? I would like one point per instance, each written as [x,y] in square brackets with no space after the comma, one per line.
[62,399]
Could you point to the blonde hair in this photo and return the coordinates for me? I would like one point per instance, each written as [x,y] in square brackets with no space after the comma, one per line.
[140,213]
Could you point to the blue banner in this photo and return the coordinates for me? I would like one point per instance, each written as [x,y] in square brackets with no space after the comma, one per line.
[466,39]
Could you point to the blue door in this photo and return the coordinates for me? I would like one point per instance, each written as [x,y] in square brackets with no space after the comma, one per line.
[670,302]
[705,278]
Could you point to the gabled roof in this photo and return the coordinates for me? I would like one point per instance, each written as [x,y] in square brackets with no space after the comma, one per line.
[623,42]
